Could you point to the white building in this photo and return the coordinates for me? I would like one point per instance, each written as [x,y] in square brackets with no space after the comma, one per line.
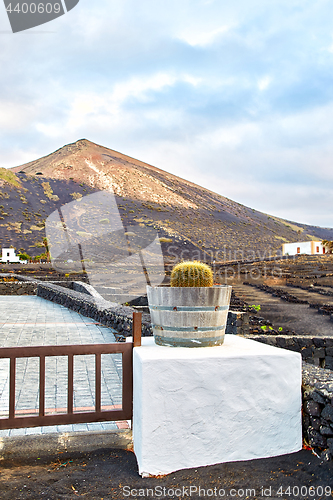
[305,247]
[8,255]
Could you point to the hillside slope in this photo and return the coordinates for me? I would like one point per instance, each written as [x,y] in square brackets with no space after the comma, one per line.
[187,215]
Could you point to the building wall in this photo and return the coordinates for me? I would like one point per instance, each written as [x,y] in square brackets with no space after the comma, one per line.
[8,254]
[303,247]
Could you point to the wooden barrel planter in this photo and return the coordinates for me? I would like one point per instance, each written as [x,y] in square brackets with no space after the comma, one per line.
[189,316]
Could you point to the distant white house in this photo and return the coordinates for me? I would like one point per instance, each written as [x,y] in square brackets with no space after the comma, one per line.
[305,247]
[8,255]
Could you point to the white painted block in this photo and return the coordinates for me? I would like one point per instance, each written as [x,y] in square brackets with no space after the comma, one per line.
[196,407]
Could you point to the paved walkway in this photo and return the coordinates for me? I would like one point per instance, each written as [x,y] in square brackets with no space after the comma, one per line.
[31,321]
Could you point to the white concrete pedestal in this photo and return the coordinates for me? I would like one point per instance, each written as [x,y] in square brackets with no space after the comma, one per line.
[202,406]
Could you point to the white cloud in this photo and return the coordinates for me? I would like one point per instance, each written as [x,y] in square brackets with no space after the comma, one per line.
[231,136]
[139,86]
[203,38]
[16,116]
[110,108]
[19,156]
[264,82]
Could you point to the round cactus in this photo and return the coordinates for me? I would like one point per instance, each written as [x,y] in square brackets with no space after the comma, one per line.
[191,273]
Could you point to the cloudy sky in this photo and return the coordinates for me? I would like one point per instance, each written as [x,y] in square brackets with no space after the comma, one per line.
[235,96]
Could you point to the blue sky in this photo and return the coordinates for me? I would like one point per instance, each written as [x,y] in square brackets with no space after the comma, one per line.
[237,97]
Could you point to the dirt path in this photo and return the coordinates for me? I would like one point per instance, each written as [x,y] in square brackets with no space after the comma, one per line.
[311,297]
[112,474]
[299,318]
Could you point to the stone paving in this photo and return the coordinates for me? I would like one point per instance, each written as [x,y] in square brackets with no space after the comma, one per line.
[31,321]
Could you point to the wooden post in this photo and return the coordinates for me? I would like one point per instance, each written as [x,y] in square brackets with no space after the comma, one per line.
[137,326]
[12,387]
[41,386]
[70,382]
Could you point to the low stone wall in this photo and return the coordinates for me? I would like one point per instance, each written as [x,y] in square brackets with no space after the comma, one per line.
[18,288]
[316,351]
[79,286]
[110,314]
[237,323]
[317,389]
[24,285]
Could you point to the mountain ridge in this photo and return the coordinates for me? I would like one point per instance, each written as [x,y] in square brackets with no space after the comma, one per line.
[191,216]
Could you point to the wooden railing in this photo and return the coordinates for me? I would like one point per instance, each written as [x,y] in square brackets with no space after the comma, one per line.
[71,416]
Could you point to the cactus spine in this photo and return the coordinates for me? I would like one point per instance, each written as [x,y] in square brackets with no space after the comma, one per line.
[191,274]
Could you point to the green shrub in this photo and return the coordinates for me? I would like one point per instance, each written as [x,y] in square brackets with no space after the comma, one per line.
[24,256]
[256,307]
[191,274]
[165,240]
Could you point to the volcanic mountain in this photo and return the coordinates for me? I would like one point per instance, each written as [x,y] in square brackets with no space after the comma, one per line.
[187,216]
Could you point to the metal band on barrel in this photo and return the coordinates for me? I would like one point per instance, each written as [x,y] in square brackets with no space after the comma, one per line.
[189,308]
[188,328]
